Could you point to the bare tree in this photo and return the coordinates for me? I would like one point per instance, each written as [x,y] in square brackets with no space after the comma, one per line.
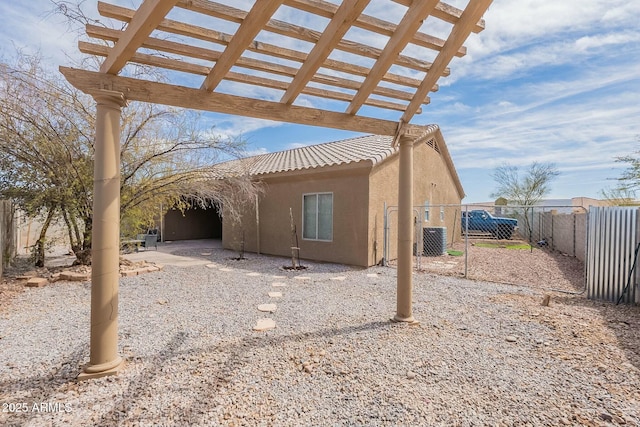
[234,191]
[624,194]
[47,147]
[524,188]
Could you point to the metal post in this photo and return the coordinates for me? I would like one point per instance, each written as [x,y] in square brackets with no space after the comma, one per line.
[257,225]
[105,239]
[466,242]
[161,222]
[384,237]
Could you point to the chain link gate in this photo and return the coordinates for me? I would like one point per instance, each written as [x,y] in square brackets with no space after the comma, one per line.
[508,244]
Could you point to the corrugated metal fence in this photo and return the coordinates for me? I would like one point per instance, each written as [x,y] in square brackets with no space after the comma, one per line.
[612,242]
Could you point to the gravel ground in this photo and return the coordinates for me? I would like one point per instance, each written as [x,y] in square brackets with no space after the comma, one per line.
[484,353]
[533,267]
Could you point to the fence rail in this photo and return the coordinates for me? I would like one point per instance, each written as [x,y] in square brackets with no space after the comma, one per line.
[508,244]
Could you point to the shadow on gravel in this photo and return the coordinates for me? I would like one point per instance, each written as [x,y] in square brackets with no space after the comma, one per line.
[41,388]
[623,322]
[231,358]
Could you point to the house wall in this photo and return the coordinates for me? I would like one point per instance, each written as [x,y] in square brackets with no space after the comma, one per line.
[350,187]
[432,181]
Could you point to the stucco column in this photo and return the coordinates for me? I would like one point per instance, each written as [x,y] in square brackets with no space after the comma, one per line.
[404,312]
[105,238]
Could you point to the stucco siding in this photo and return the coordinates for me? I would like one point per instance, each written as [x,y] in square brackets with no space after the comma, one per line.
[433,182]
[350,189]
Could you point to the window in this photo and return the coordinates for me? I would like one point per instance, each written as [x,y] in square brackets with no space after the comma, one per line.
[317,216]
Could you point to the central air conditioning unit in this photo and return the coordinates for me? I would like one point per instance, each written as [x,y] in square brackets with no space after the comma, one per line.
[434,241]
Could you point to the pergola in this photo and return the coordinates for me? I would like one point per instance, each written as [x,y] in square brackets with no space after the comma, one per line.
[347,64]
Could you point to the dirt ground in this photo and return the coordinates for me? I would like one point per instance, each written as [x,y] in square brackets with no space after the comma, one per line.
[533,267]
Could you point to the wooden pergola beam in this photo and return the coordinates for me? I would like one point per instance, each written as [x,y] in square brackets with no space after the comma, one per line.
[461,30]
[150,13]
[182,66]
[212,55]
[369,23]
[410,23]
[259,14]
[448,14]
[348,11]
[205,34]
[92,82]
[301,33]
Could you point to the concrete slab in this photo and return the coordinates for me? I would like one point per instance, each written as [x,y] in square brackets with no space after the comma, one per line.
[159,257]
[164,254]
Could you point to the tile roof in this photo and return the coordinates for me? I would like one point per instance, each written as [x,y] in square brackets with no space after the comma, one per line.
[373,148]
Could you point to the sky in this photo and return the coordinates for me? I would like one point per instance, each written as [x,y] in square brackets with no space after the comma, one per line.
[546,81]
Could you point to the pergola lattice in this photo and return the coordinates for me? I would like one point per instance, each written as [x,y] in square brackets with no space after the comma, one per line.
[359,65]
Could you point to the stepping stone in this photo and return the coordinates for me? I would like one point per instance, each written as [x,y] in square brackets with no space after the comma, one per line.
[339,278]
[372,275]
[73,276]
[302,278]
[211,266]
[278,284]
[278,277]
[264,325]
[253,274]
[226,269]
[37,282]
[275,294]
[205,253]
[269,308]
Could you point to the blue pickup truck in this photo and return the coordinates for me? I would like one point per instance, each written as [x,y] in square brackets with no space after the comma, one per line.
[483,221]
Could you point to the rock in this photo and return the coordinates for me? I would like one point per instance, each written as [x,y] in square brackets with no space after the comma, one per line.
[269,308]
[606,417]
[74,276]
[275,294]
[264,324]
[411,375]
[36,282]
[546,300]
[619,420]
[307,368]
[511,338]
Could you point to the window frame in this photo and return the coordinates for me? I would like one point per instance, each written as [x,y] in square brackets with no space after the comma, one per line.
[317,194]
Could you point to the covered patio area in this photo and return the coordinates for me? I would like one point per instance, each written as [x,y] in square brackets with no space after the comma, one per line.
[326,76]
